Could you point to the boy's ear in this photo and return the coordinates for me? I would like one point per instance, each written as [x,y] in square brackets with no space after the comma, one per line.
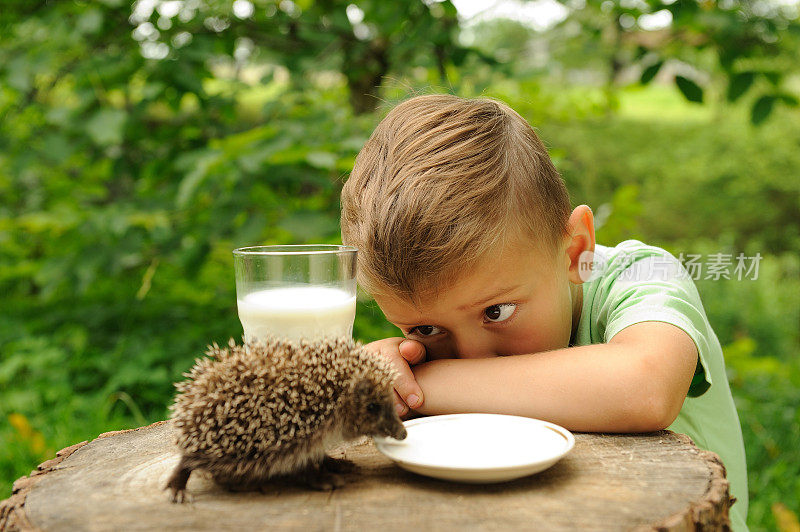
[581,223]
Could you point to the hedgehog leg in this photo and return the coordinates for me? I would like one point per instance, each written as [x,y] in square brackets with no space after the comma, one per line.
[177,482]
[338,465]
[317,477]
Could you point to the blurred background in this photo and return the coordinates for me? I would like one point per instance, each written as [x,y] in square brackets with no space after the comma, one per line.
[140,143]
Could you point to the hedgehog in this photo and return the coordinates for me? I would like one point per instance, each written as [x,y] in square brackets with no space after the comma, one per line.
[270,408]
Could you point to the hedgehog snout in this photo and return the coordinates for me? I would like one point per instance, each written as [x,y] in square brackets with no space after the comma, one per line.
[399,432]
[392,426]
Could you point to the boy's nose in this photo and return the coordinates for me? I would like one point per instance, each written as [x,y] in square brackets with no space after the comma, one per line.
[473,347]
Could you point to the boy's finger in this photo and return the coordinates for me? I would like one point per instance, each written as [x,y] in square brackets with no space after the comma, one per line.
[399,405]
[412,351]
[405,384]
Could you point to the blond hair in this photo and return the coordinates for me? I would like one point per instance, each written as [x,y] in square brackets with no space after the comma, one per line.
[441,182]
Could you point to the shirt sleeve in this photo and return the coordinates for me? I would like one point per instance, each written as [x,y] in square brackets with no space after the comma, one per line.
[658,288]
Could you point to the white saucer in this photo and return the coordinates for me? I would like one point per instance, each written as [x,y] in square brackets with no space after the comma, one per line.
[477,448]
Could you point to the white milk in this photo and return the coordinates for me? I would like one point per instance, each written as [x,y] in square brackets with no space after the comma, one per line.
[303,311]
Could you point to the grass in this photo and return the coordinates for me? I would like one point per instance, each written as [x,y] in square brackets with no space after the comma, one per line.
[663,103]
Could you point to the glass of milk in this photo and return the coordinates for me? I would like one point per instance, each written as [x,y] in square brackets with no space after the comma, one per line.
[296,291]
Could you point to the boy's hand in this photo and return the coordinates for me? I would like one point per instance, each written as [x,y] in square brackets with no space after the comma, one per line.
[402,353]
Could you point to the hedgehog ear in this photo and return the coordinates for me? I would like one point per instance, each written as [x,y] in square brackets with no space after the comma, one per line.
[362,387]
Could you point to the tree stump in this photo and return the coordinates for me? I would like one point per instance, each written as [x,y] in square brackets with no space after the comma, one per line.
[608,482]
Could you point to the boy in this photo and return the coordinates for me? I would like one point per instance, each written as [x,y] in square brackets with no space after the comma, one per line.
[468,243]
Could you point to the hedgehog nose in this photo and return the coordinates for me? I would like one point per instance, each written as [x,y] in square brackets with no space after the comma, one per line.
[398,432]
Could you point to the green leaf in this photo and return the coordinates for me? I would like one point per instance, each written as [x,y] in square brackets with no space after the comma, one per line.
[289,155]
[650,72]
[90,22]
[19,74]
[773,77]
[761,109]
[691,90]
[237,143]
[788,99]
[307,226]
[106,127]
[738,85]
[194,178]
[321,159]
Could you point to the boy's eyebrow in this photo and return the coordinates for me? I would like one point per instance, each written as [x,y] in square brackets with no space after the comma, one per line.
[487,299]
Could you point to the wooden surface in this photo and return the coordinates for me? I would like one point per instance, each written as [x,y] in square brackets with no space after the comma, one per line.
[608,482]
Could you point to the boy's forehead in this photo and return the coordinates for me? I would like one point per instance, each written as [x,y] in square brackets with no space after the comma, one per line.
[491,278]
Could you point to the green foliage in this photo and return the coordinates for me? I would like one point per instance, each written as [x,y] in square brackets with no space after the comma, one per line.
[650,72]
[737,183]
[618,219]
[760,317]
[748,46]
[762,109]
[738,85]
[691,90]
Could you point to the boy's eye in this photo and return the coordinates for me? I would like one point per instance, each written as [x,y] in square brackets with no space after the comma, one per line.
[426,330]
[501,312]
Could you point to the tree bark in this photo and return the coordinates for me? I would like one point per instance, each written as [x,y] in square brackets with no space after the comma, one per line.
[658,481]
[366,63]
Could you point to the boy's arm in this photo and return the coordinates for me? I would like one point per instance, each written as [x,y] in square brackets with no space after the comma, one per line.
[634,383]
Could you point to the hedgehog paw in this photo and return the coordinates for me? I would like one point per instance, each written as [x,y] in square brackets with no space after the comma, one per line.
[180,496]
[320,479]
[325,481]
[177,482]
[338,465]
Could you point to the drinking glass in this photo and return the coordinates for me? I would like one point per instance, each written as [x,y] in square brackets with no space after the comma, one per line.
[298,291]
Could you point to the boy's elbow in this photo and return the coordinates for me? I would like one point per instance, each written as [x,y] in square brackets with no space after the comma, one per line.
[659,419]
[658,401]
[656,411]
